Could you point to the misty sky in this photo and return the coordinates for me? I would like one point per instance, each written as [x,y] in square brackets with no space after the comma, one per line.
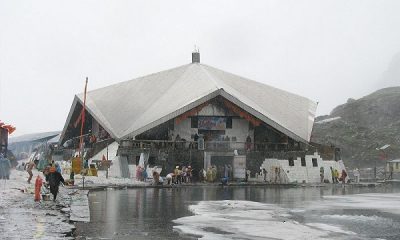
[327,51]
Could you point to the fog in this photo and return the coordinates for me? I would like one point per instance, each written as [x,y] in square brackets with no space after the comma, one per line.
[327,51]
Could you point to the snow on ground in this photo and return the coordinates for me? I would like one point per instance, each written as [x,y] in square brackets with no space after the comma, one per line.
[384,202]
[328,120]
[101,180]
[334,217]
[231,219]
[22,218]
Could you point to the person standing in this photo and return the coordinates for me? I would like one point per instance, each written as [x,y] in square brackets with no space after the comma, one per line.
[277,174]
[333,175]
[176,175]
[321,174]
[144,174]
[137,173]
[209,174]
[55,178]
[248,143]
[356,174]
[343,177]
[336,176]
[226,171]
[29,169]
[5,167]
[38,187]
[214,173]
[264,172]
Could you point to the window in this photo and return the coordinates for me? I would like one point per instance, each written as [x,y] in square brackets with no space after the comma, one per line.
[193,122]
[303,161]
[397,165]
[229,122]
[314,162]
[291,161]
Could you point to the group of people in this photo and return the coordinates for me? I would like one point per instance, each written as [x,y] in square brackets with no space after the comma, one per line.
[52,174]
[141,174]
[223,173]
[180,175]
[335,175]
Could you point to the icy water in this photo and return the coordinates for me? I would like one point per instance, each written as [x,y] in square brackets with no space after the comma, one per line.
[244,213]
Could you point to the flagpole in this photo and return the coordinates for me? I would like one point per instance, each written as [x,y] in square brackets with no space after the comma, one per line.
[81,149]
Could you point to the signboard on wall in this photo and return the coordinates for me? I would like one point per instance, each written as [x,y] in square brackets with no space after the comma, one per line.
[212,123]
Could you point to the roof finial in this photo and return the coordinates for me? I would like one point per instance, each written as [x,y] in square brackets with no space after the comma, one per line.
[196,55]
[196,49]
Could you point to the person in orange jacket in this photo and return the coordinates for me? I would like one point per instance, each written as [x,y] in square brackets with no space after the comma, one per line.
[38,186]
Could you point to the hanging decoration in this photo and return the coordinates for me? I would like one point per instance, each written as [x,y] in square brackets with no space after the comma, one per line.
[243,114]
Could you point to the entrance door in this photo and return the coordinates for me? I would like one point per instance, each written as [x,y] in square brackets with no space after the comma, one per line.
[220,162]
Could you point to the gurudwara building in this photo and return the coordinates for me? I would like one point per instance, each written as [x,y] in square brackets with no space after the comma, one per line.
[200,116]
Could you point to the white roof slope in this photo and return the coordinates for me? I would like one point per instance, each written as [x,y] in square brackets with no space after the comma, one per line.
[130,108]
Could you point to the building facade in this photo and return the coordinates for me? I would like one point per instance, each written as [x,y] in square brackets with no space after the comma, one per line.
[193,115]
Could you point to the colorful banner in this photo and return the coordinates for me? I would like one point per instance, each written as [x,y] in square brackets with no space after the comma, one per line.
[77,165]
[212,123]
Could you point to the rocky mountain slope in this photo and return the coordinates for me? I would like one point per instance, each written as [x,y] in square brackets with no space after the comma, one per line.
[361,126]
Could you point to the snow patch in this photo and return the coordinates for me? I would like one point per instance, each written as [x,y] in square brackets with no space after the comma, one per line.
[248,220]
[383,202]
[328,120]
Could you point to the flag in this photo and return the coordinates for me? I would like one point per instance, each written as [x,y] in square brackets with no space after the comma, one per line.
[78,120]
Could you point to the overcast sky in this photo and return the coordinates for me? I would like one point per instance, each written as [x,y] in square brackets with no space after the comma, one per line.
[327,51]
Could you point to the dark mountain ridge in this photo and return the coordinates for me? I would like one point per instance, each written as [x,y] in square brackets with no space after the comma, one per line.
[361,126]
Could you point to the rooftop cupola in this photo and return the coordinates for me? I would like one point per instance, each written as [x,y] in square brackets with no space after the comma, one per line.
[196,56]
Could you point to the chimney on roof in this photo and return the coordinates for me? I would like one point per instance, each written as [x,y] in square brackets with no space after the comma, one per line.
[196,56]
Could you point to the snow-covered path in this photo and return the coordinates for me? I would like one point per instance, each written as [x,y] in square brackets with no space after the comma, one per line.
[22,218]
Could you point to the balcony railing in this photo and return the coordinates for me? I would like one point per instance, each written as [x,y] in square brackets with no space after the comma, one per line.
[207,145]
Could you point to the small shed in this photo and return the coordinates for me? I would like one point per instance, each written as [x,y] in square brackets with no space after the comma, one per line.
[393,166]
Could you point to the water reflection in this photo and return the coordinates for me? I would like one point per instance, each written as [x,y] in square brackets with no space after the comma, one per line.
[147,213]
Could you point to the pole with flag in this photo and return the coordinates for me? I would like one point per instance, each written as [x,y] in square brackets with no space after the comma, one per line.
[81,149]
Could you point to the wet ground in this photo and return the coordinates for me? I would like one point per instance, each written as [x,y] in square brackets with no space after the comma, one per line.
[23,218]
[330,212]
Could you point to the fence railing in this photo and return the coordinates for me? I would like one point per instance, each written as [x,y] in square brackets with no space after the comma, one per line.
[207,145]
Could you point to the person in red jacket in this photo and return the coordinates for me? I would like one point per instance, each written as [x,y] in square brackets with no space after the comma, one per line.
[343,177]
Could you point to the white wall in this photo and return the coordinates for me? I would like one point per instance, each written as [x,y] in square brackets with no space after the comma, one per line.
[298,173]
[240,130]
[184,130]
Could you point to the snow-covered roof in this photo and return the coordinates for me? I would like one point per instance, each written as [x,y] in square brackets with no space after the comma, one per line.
[394,161]
[34,137]
[55,139]
[129,108]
